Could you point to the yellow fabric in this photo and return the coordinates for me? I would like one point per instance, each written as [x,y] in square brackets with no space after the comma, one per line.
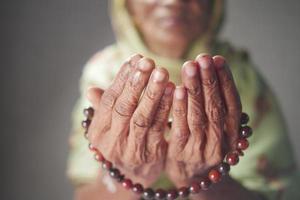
[269,145]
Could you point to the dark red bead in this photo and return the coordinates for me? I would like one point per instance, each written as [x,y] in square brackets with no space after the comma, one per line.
[160,194]
[244,118]
[183,192]
[242,144]
[224,168]
[86,123]
[120,178]
[205,184]
[114,173]
[214,176]
[195,188]
[107,165]
[148,193]
[232,158]
[127,184]
[172,194]
[88,112]
[246,131]
[137,188]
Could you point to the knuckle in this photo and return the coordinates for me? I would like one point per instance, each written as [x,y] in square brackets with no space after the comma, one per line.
[163,107]
[109,98]
[158,125]
[126,105]
[152,94]
[142,121]
[180,112]
[215,109]
[194,90]
[210,82]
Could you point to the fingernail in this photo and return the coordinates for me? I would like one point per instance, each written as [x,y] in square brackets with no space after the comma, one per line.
[205,61]
[168,90]
[219,62]
[190,69]
[158,76]
[136,78]
[145,64]
[134,59]
[179,93]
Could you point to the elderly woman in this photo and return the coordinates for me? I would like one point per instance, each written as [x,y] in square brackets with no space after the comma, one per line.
[132,95]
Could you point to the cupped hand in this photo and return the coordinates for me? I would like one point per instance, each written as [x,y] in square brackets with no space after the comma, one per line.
[129,120]
[206,118]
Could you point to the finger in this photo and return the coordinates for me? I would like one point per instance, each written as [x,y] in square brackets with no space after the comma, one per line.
[128,100]
[231,99]
[143,116]
[180,130]
[163,111]
[108,100]
[94,95]
[156,143]
[115,90]
[213,106]
[196,114]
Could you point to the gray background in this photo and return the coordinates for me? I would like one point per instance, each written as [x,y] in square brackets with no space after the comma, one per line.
[44,45]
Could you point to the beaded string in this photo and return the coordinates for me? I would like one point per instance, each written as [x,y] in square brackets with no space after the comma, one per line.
[214,175]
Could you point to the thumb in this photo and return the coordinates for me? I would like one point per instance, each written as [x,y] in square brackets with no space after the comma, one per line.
[94,95]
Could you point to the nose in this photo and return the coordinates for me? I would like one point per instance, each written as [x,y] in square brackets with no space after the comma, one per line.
[172,2]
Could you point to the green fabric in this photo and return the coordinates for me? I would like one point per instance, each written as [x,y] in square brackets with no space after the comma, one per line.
[268,165]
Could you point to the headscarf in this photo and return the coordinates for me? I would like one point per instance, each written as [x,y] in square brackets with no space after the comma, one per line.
[129,40]
[270,148]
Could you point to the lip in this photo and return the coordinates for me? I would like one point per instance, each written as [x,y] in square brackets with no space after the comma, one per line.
[170,22]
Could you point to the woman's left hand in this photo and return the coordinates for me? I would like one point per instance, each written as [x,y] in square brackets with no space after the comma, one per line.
[206,119]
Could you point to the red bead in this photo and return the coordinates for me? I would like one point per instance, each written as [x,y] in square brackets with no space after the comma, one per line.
[205,183]
[246,131]
[137,188]
[242,144]
[127,184]
[195,188]
[214,176]
[183,192]
[107,165]
[232,158]
[172,194]
[244,118]
[160,194]
[99,157]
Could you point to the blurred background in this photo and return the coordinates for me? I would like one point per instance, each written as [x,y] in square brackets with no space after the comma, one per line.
[44,45]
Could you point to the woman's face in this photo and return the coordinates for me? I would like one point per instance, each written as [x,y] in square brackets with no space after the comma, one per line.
[170,20]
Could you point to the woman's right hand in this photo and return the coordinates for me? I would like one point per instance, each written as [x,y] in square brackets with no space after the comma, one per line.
[129,122]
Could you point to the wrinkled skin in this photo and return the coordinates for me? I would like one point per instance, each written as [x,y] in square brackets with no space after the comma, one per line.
[206,112]
[131,132]
[129,124]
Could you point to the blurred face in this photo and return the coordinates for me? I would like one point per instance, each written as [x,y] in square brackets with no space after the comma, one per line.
[170,20]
